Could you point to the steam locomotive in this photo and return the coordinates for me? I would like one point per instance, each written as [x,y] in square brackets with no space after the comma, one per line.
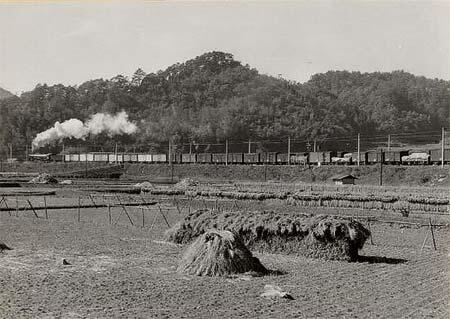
[404,157]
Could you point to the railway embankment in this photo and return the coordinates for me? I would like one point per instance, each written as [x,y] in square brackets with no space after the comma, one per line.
[367,175]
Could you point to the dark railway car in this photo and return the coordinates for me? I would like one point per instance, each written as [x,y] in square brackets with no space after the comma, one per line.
[362,158]
[374,157]
[204,158]
[235,158]
[219,158]
[436,158]
[268,158]
[327,157]
[176,158]
[394,157]
[282,158]
[251,158]
[316,158]
[188,158]
[299,159]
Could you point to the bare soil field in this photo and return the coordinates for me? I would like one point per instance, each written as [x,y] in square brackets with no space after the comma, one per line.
[120,270]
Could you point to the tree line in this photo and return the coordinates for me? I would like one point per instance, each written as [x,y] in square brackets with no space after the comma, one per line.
[213,97]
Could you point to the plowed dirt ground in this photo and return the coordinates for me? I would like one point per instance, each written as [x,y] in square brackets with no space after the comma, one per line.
[124,271]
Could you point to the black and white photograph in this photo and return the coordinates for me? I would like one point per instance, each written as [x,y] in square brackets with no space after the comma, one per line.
[224,159]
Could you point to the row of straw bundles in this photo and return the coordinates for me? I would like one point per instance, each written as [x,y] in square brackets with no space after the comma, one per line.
[313,236]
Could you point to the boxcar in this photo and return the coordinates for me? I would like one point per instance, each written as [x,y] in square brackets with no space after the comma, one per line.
[159,158]
[189,158]
[435,156]
[362,158]
[282,158]
[268,158]
[99,157]
[394,157]
[251,158]
[204,158]
[235,158]
[299,159]
[218,158]
[374,157]
[141,158]
[316,157]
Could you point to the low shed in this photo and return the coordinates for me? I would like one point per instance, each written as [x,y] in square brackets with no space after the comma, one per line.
[344,180]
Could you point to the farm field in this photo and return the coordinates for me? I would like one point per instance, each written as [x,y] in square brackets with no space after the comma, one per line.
[122,270]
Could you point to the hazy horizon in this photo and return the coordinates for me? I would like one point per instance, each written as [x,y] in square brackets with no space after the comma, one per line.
[72,42]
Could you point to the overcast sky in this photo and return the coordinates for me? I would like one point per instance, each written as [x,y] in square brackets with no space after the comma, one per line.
[71,42]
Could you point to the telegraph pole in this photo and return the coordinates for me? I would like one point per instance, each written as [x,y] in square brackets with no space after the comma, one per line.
[115,152]
[389,142]
[442,147]
[226,152]
[315,146]
[381,167]
[359,147]
[249,146]
[289,151]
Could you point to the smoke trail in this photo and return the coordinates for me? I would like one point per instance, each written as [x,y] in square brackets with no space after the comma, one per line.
[98,123]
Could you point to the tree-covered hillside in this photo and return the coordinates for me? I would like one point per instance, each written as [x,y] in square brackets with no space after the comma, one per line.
[214,97]
[5,94]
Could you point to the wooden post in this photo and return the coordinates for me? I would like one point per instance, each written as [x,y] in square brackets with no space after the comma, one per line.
[368,226]
[442,148]
[165,219]
[226,152]
[45,206]
[79,209]
[17,207]
[389,142]
[381,169]
[109,213]
[32,208]
[115,153]
[125,210]
[143,217]
[432,234]
[289,151]
[359,148]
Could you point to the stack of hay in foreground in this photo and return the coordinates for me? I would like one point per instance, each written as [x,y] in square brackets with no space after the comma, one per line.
[312,236]
[219,253]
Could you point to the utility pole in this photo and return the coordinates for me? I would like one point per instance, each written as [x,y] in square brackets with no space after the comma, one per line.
[315,146]
[389,142]
[381,167]
[170,161]
[442,147]
[289,151]
[115,152]
[226,152]
[190,147]
[359,147]
[249,146]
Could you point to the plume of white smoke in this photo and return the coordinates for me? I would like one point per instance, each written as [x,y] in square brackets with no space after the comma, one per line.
[98,123]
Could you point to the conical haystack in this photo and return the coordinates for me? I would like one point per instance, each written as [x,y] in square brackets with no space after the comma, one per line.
[219,253]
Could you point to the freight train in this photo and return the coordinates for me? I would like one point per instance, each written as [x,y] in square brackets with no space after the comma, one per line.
[430,157]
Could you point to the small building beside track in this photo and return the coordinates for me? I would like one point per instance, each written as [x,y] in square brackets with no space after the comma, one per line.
[344,180]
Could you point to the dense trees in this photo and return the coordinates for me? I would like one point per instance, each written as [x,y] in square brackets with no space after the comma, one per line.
[214,97]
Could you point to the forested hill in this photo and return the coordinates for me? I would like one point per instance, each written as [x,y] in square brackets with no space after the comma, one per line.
[214,97]
[5,94]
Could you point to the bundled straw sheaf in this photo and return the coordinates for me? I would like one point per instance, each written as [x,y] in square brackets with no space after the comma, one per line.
[219,253]
[318,236]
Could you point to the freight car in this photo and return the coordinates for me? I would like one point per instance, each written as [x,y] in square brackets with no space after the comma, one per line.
[270,158]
